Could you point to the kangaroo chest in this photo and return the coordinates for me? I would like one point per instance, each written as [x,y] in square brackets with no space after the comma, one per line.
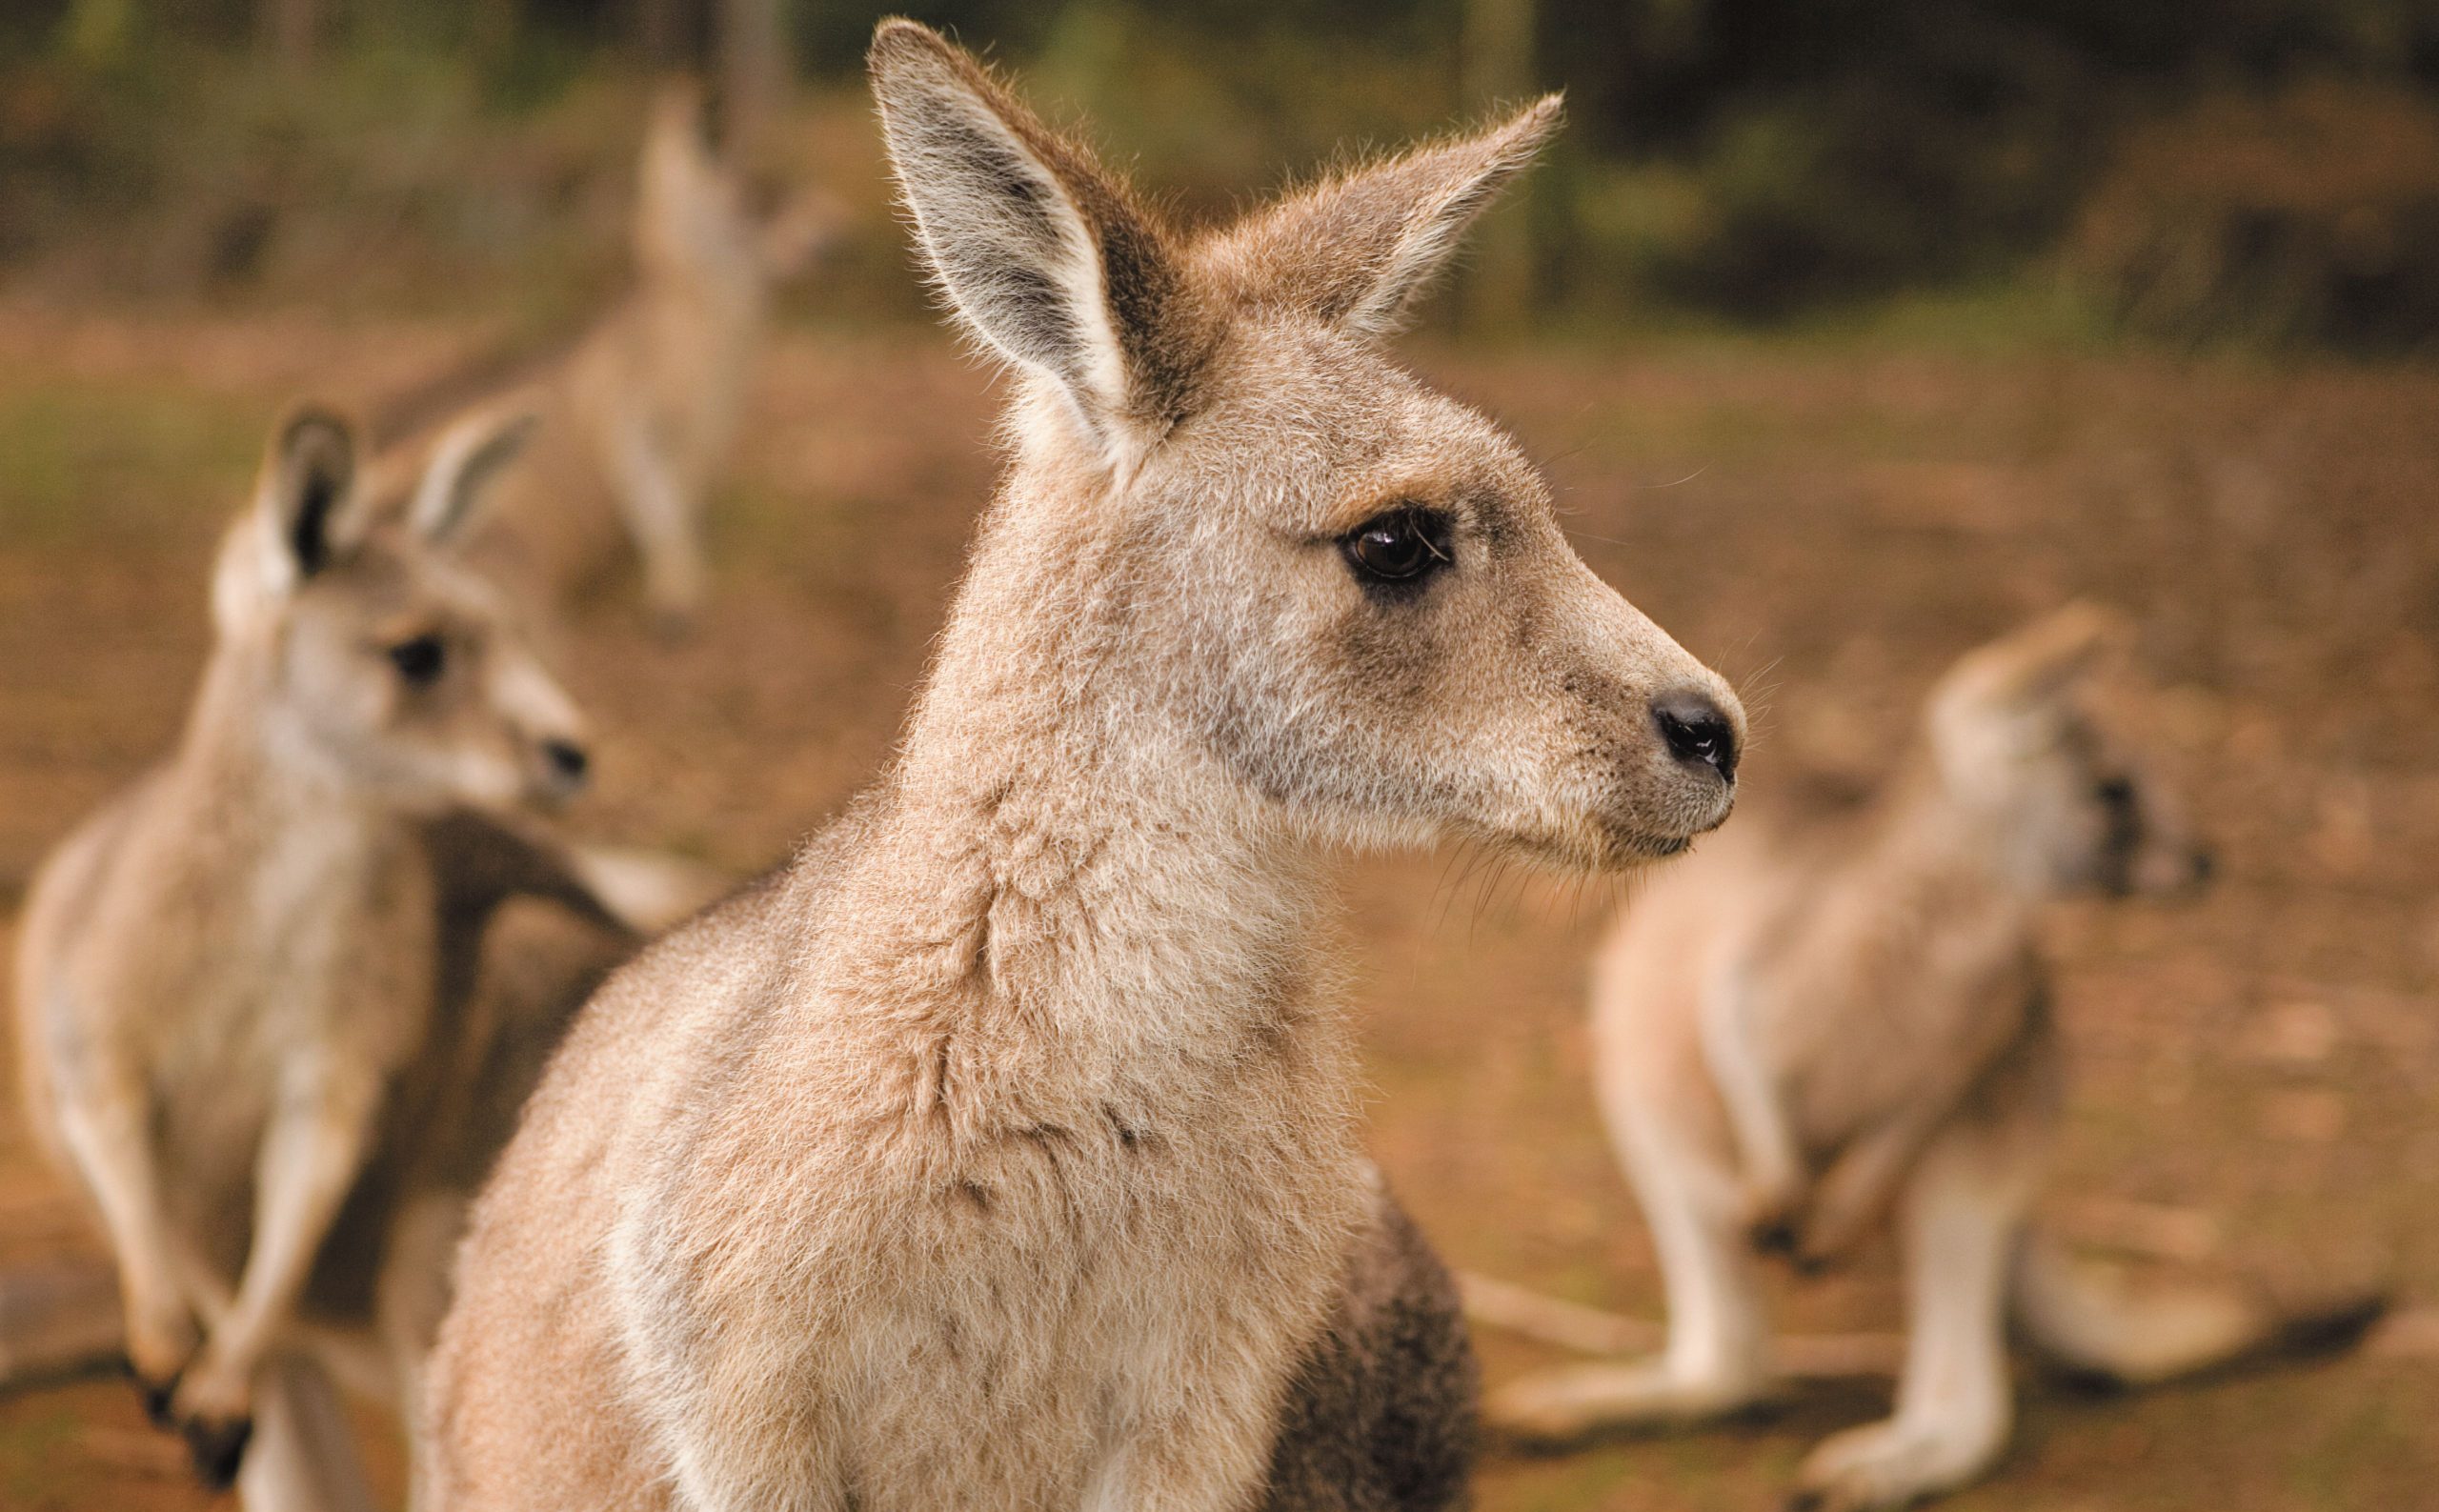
[318,963]
[1861,1022]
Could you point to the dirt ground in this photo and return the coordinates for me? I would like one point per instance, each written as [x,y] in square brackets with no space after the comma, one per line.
[2258,1073]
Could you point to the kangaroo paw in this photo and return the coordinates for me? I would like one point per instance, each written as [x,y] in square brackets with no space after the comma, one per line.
[217,1448]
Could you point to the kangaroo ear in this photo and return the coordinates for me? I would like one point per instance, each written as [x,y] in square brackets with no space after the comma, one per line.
[2010,699]
[301,518]
[464,461]
[1360,247]
[306,475]
[1041,255]
[2028,671]
[679,190]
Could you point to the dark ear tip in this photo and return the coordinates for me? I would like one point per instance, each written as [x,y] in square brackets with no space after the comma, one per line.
[309,415]
[322,430]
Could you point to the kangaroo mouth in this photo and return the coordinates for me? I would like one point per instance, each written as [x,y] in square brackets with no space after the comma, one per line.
[1602,848]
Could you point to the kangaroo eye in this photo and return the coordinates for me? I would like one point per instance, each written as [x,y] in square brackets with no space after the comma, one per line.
[1397,546]
[420,661]
[2115,794]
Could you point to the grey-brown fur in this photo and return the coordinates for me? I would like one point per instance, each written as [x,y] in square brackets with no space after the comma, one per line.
[279,1003]
[1002,1151]
[1382,1413]
[1838,1024]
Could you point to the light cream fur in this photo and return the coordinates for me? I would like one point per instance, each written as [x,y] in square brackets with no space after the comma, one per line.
[1808,1032]
[1002,1151]
[276,1009]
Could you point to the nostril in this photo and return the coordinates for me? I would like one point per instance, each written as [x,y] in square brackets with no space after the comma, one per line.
[1696,729]
[567,758]
[2204,866]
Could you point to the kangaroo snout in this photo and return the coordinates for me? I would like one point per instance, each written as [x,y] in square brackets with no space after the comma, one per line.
[1698,731]
[562,767]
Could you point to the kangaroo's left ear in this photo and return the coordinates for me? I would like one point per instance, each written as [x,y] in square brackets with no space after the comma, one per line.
[1040,253]
[1360,247]
[2040,663]
[464,462]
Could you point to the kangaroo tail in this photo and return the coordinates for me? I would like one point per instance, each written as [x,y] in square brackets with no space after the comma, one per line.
[2096,1325]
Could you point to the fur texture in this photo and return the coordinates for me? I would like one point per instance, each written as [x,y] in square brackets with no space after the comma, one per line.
[1810,1031]
[279,1003]
[1001,1152]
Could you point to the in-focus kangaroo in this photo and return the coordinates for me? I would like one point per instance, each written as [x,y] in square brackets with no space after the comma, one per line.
[269,1021]
[639,417]
[1801,1034]
[1002,1150]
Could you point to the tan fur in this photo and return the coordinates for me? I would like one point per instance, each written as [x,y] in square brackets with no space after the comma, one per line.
[276,1009]
[1001,1152]
[1810,1030]
[639,418]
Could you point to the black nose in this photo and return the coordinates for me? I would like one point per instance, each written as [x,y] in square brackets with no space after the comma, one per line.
[567,759]
[1696,729]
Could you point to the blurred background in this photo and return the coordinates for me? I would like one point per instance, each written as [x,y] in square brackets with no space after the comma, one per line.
[1851,332]
[2263,172]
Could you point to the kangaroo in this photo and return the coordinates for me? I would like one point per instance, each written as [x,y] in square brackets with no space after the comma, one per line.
[639,415]
[1001,1151]
[1804,1032]
[270,1023]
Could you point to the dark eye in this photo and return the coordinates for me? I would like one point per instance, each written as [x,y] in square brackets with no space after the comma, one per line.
[2115,794]
[420,661]
[1397,546]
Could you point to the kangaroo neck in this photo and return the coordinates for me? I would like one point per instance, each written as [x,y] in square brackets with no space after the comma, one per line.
[1063,866]
[249,784]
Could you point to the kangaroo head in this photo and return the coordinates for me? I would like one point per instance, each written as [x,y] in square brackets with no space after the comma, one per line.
[1348,588]
[370,651]
[691,219]
[2023,740]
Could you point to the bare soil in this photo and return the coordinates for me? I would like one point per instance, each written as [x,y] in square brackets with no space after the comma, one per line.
[2258,1073]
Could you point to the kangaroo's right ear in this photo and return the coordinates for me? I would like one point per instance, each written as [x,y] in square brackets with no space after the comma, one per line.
[306,475]
[298,523]
[1040,252]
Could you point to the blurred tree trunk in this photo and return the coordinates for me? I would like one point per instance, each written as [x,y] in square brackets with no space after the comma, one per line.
[755,69]
[291,32]
[96,32]
[1497,56]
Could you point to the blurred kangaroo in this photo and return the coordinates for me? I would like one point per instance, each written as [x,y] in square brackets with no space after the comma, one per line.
[1808,1029]
[270,1024]
[1002,1150]
[640,415]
